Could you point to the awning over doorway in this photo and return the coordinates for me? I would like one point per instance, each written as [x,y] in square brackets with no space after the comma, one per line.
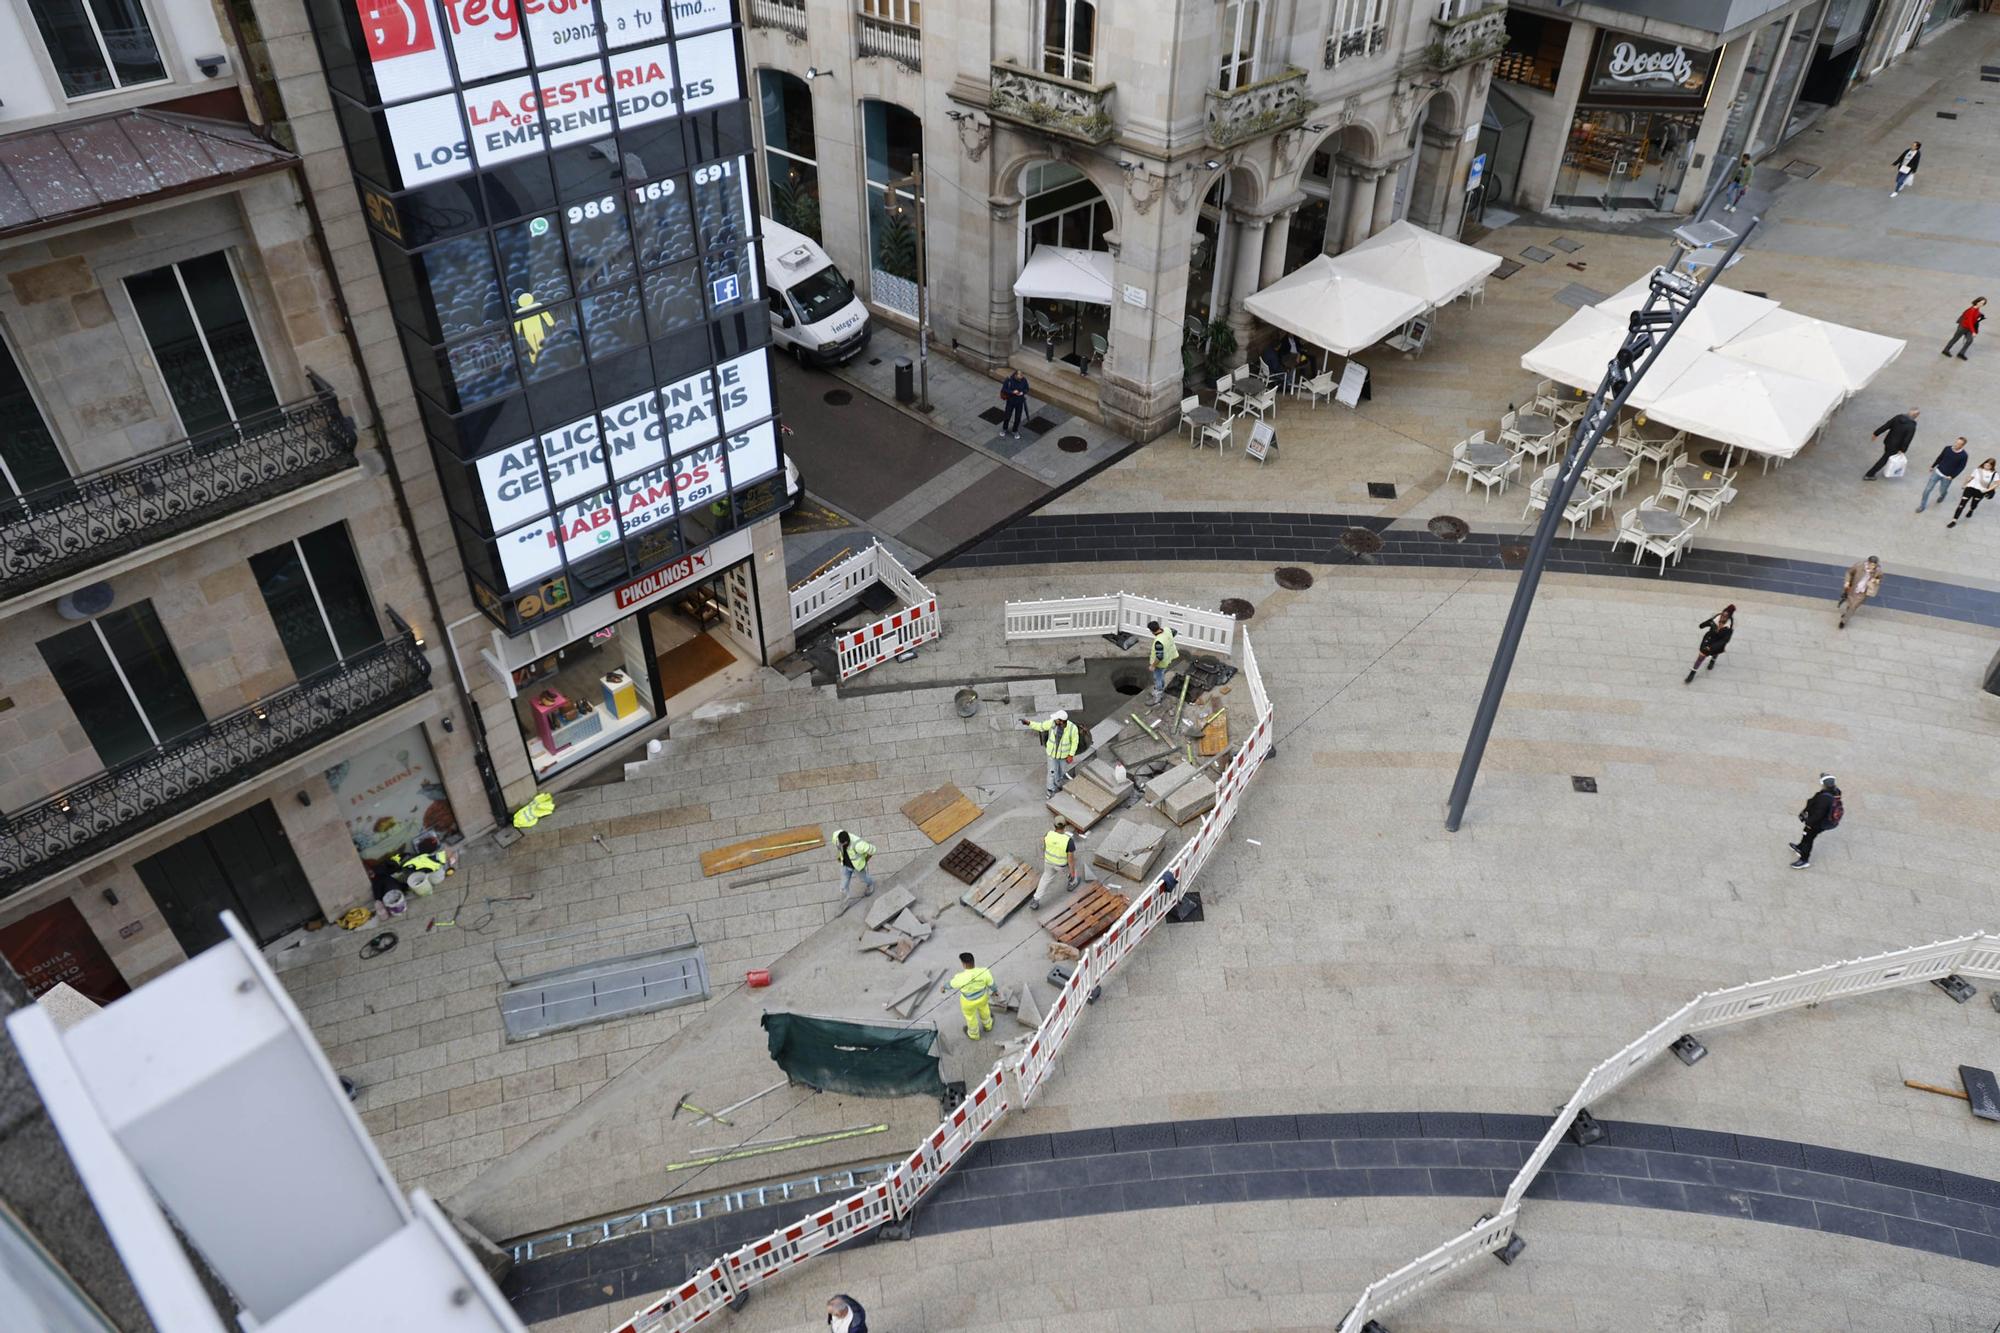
[1059,273]
[1327,306]
[1407,258]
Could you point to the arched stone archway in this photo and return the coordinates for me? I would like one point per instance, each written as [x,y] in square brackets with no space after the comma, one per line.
[1060,205]
[1434,139]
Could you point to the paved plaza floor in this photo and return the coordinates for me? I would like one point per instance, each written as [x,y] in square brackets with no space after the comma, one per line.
[1355,958]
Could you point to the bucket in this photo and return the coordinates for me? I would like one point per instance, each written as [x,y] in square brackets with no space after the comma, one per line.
[393,902]
[966,701]
[758,977]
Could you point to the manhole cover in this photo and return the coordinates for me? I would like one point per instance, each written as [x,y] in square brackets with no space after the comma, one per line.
[1360,541]
[1448,529]
[1130,681]
[1381,490]
[1513,555]
[1237,607]
[1072,444]
[837,397]
[1293,578]
[1583,784]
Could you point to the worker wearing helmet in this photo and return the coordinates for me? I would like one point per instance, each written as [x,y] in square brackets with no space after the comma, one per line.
[1061,746]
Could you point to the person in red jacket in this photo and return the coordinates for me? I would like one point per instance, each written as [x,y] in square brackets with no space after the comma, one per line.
[1968,326]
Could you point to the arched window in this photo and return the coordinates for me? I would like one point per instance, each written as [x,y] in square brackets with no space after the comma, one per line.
[1069,39]
[891,139]
[791,159]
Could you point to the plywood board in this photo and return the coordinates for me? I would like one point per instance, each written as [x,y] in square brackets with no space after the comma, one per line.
[941,812]
[1001,890]
[1214,737]
[1086,916]
[765,847]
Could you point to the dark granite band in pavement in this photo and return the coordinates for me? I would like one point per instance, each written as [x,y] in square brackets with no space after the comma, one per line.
[1078,1173]
[1316,539]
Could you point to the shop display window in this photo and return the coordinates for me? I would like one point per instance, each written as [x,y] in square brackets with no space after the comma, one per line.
[582,698]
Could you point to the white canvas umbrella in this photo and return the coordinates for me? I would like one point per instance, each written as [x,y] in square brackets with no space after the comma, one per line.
[1577,353]
[1746,406]
[1410,259]
[1801,345]
[1721,314]
[1058,273]
[1333,309]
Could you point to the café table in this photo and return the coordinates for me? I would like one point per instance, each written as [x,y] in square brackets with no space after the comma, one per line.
[1662,522]
[1533,425]
[1485,453]
[1609,458]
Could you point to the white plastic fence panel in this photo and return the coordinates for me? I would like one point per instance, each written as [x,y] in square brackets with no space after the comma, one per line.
[1484,1238]
[702,1295]
[1210,631]
[1259,701]
[1982,958]
[874,644]
[808,1236]
[899,580]
[824,591]
[1062,618]
[1859,976]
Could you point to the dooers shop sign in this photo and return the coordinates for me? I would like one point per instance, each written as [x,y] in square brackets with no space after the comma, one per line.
[1628,69]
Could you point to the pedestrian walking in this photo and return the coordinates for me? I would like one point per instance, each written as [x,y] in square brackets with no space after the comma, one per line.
[1739,182]
[1978,486]
[854,857]
[1719,627]
[1864,580]
[1969,320]
[845,1315]
[975,996]
[1165,653]
[1014,397]
[1063,737]
[1823,811]
[1907,163]
[1895,434]
[1058,861]
[1950,462]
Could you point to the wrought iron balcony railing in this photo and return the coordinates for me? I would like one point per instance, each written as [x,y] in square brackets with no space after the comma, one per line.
[65,529]
[104,810]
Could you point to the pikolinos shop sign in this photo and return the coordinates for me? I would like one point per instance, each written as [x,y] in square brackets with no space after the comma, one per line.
[1626,68]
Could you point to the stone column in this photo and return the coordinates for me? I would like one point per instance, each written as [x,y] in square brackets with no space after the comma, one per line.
[1276,237]
[1361,190]
[996,339]
[1385,199]
[1247,263]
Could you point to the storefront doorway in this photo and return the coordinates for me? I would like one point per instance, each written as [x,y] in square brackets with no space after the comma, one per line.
[1626,158]
[704,641]
[245,865]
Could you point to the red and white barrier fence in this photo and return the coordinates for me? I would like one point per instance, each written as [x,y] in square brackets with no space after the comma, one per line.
[1118,612]
[873,644]
[1008,1086]
[1967,956]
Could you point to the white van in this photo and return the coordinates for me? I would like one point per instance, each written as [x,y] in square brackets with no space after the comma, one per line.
[814,310]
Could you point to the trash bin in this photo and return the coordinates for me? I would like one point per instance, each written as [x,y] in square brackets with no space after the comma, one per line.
[906,380]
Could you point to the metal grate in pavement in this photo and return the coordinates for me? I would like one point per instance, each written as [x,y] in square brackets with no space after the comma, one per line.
[1508,268]
[1947,115]
[967,861]
[1801,169]
[1576,296]
[1539,255]
[993,416]
[1566,245]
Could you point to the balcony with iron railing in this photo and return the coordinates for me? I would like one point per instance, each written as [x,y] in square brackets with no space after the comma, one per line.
[59,531]
[1463,31]
[889,40]
[1050,103]
[786,16]
[122,801]
[1275,102]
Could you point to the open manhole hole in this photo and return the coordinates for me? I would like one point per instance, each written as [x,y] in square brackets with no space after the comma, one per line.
[1578,782]
[1238,608]
[1448,529]
[1360,541]
[1381,490]
[1513,555]
[837,397]
[1130,681]
[1072,444]
[1292,578]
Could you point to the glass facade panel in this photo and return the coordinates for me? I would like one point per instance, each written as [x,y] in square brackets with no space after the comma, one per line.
[29,459]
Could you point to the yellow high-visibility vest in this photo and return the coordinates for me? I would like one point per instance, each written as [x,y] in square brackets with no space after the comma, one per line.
[1165,651]
[973,985]
[1055,848]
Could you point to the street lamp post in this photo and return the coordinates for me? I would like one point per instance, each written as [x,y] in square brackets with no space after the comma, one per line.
[1672,296]
[915,182]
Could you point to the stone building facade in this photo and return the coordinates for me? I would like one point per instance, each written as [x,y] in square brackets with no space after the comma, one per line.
[1208,147]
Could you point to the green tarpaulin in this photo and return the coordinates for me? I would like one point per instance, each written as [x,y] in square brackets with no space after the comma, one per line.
[859,1058]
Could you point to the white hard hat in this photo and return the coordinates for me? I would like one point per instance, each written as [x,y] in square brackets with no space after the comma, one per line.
[1060,715]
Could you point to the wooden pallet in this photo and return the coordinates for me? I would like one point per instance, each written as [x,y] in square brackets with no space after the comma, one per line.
[1086,916]
[1002,889]
[766,847]
[942,812]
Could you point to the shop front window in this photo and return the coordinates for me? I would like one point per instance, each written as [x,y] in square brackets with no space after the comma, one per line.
[1627,158]
[791,152]
[583,697]
[893,138]
[1534,53]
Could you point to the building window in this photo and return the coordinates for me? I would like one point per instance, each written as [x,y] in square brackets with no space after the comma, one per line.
[29,459]
[908,13]
[124,682]
[98,45]
[1240,19]
[1069,39]
[1534,53]
[317,598]
[791,165]
[202,342]
[1360,28]
[893,138]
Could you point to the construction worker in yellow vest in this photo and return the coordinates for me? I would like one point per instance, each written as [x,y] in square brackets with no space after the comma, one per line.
[854,854]
[1058,860]
[1061,745]
[975,996]
[1165,653]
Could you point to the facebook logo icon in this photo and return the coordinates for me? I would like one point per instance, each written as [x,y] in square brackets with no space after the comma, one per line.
[724,290]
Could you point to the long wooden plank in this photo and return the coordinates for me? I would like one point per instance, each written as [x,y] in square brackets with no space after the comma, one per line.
[764,847]
[950,820]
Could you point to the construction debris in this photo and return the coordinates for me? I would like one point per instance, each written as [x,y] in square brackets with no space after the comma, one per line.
[903,1005]
[1063,953]
[768,847]
[1004,888]
[1214,734]
[912,925]
[1093,791]
[883,909]
[1129,848]
[876,939]
[941,812]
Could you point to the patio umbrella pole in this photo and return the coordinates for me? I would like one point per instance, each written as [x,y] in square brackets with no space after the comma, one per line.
[1651,328]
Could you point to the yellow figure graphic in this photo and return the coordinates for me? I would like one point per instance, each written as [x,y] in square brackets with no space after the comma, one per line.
[533,326]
